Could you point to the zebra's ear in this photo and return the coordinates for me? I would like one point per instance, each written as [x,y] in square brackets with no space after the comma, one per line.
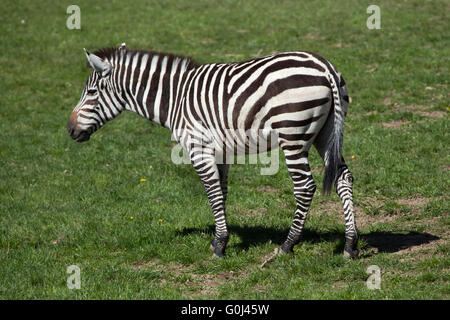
[123,46]
[103,68]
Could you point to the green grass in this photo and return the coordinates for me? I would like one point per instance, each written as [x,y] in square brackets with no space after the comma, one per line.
[63,203]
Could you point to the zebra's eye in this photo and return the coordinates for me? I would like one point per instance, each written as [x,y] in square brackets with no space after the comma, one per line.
[92,91]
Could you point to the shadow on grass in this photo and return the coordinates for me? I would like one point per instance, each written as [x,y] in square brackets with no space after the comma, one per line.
[384,241]
[392,242]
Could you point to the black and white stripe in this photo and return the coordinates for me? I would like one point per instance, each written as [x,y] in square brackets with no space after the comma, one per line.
[298,96]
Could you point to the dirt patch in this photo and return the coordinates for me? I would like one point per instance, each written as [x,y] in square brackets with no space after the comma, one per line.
[257,212]
[196,284]
[144,265]
[317,170]
[419,109]
[423,251]
[327,207]
[371,211]
[340,285]
[416,109]
[383,213]
[160,267]
[268,189]
[394,124]
[432,114]
[365,220]
[426,247]
[335,210]
[60,239]
[417,201]
[409,108]
[207,284]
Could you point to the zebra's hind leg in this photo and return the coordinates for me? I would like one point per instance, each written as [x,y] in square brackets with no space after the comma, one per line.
[344,189]
[304,189]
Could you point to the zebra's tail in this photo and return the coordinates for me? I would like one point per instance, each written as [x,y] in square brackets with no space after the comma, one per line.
[333,156]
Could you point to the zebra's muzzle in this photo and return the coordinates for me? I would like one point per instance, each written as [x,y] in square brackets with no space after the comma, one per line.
[82,136]
[79,135]
[74,132]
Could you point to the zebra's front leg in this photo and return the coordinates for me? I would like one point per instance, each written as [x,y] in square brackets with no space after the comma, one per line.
[344,189]
[223,173]
[218,244]
[209,173]
[217,203]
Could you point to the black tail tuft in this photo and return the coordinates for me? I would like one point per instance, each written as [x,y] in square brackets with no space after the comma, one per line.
[333,163]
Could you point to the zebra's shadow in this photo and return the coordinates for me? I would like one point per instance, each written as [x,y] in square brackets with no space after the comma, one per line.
[382,241]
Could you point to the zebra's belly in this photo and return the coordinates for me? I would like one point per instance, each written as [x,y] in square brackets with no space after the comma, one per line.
[243,142]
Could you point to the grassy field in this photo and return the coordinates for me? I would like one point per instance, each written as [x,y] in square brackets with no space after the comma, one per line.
[63,203]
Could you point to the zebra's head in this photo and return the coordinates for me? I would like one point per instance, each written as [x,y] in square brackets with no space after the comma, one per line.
[99,102]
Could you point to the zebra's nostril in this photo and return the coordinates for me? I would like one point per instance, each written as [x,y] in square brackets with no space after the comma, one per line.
[70,128]
[72,124]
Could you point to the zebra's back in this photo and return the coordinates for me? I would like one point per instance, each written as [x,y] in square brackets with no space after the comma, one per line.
[286,93]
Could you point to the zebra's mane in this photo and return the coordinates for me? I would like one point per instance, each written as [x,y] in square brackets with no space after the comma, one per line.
[109,53]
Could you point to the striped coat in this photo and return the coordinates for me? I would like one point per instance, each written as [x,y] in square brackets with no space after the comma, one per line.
[292,100]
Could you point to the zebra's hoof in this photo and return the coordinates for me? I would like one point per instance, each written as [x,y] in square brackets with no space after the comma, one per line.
[218,248]
[287,248]
[218,254]
[350,248]
[213,245]
[351,254]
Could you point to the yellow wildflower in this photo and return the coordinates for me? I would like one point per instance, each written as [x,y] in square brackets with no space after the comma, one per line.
[143,180]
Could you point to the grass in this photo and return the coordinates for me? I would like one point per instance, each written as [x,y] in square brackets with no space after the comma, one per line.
[63,203]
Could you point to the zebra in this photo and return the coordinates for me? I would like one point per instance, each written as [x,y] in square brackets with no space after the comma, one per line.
[298,95]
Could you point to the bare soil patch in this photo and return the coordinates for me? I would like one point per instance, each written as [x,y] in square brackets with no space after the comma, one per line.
[419,109]
[394,124]
[196,285]
[257,212]
[417,201]
[317,170]
[267,189]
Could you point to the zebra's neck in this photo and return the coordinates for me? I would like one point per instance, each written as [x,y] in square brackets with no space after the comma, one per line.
[150,83]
